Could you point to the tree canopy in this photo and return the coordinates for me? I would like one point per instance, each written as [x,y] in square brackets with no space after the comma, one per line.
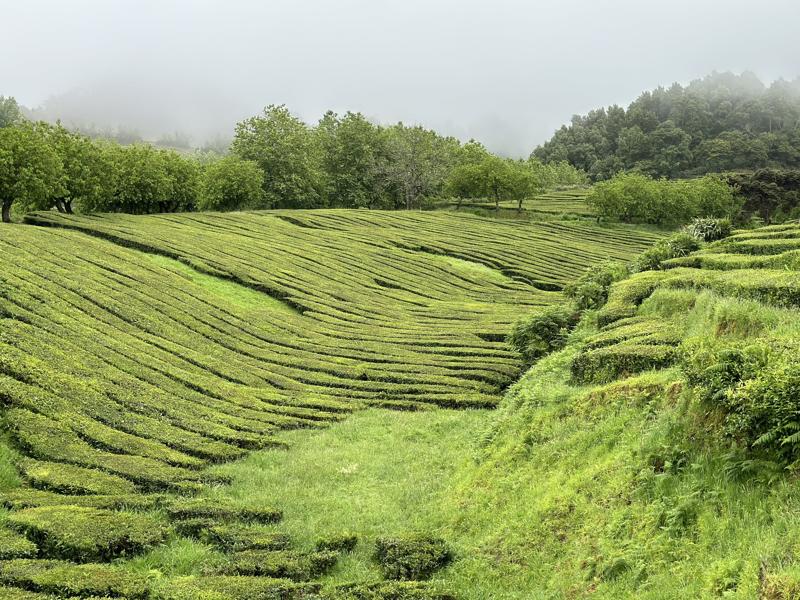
[720,123]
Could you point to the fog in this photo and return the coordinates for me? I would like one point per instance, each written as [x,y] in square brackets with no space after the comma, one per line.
[505,72]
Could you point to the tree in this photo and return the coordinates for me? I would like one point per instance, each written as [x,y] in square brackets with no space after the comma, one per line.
[86,169]
[288,153]
[183,175]
[10,113]
[231,184]
[417,163]
[352,151]
[31,174]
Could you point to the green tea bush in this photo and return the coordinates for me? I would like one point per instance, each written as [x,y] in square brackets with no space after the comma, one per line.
[246,537]
[386,590]
[342,542]
[236,588]
[220,509]
[708,229]
[412,557]
[606,364]
[288,564]
[86,534]
[65,579]
[70,479]
[675,246]
[591,289]
[543,332]
[14,545]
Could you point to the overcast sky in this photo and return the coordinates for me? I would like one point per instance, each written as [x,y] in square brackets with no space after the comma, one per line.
[507,72]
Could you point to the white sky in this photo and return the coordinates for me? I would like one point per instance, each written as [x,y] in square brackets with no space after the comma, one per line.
[507,72]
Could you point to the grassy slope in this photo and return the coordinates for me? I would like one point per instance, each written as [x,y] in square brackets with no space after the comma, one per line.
[624,489]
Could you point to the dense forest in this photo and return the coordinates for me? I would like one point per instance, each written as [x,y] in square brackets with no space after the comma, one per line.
[723,122]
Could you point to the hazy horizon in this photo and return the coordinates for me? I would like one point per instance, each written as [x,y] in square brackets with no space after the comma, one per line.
[508,73]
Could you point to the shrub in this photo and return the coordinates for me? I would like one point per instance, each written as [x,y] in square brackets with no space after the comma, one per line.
[413,557]
[708,229]
[606,364]
[14,545]
[70,479]
[342,542]
[85,534]
[542,332]
[387,590]
[220,509]
[591,289]
[287,564]
[236,588]
[65,579]
[245,537]
[675,246]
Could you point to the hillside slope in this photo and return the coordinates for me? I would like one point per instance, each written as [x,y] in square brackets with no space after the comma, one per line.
[655,456]
[137,352]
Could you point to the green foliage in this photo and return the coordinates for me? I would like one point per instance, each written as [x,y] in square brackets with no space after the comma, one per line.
[288,153]
[709,230]
[10,112]
[66,579]
[495,178]
[236,588]
[231,183]
[590,290]
[722,122]
[288,564]
[542,332]
[15,545]
[675,246]
[770,194]
[637,198]
[31,172]
[386,590]
[341,542]
[85,534]
[220,509]
[70,479]
[605,364]
[412,557]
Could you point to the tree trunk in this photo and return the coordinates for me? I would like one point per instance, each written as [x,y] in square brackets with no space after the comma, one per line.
[68,206]
[519,206]
[60,206]
[6,212]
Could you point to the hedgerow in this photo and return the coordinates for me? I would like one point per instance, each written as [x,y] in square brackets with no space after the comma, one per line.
[387,590]
[15,545]
[289,564]
[235,588]
[85,534]
[66,579]
[220,510]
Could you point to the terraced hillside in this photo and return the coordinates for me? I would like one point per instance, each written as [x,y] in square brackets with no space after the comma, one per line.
[135,352]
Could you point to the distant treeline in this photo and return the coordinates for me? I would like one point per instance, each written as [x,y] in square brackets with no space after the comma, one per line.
[724,122]
[275,161]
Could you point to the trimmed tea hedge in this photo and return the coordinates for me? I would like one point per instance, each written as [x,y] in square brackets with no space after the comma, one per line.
[411,557]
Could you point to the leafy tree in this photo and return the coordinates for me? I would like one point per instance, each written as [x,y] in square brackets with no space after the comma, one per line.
[231,184]
[10,113]
[183,175]
[288,153]
[417,163]
[31,174]
[352,151]
[86,169]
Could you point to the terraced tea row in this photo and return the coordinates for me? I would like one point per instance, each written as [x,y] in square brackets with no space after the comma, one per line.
[125,374]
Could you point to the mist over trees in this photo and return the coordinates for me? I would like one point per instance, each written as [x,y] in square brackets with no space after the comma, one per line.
[723,122]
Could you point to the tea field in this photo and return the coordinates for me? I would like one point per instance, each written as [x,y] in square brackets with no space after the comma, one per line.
[139,353]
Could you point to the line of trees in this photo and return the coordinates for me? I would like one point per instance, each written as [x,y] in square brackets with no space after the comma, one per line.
[724,122]
[275,161]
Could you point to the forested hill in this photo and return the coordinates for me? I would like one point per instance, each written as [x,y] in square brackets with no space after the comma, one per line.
[723,122]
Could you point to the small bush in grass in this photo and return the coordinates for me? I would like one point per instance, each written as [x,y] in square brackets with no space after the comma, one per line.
[220,509]
[606,364]
[543,332]
[245,537]
[85,534]
[342,542]
[386,590]
[411,557]
[236,588]
[709,229]
[590,290]
[287,564]
[675,246]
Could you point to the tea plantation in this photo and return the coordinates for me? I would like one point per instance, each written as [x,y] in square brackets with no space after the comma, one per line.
[136,353]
